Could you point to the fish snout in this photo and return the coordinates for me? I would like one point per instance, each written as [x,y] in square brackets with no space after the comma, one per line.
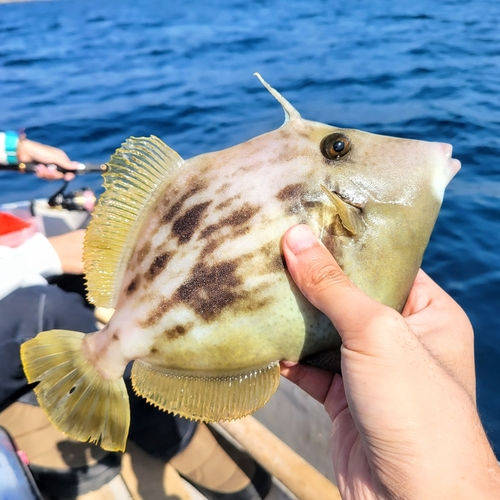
[452,165]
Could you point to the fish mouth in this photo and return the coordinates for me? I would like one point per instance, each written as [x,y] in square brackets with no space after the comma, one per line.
[453,163]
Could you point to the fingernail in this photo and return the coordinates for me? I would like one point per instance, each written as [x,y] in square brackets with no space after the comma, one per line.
[301,238]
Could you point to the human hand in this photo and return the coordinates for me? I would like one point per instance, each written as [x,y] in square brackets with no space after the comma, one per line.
[31,151]
[443,328]
[405,424]
[69,248]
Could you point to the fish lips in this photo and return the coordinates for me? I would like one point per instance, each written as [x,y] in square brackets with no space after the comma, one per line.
[454,165]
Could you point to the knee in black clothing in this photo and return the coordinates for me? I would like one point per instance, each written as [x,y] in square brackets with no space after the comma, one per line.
[24,313]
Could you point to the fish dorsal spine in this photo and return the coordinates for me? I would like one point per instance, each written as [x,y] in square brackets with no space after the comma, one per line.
[290,112]
[135,177]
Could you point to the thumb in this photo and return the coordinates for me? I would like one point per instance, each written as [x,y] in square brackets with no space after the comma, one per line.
[324,284]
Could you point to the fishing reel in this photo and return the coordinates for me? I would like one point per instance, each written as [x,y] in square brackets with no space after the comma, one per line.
[82,200]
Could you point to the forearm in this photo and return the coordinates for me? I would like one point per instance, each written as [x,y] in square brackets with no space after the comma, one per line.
[27,264]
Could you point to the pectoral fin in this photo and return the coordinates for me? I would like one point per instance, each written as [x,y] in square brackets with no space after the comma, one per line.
[349,216]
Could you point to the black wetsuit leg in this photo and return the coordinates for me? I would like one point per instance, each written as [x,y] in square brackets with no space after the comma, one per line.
[28,311]
[23,314]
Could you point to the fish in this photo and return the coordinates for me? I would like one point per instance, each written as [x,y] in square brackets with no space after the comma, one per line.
[188,254]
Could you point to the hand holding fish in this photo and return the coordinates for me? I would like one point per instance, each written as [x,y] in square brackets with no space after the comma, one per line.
[429,312]
[405,424]
[188,254]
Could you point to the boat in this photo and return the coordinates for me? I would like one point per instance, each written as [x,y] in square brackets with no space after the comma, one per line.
[295,451]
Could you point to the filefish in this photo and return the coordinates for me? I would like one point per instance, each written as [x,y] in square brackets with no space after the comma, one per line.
[188,253]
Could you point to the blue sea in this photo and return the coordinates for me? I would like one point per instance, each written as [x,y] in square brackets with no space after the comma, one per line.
[84,75]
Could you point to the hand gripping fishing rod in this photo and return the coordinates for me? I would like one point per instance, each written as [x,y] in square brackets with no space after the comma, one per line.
[82,199]
[30,167]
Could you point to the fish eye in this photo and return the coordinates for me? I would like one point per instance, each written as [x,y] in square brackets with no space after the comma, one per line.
[334,146]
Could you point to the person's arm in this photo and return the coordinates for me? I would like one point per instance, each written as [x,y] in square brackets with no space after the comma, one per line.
[405,423]
[39,258]
[16,148]
[69,249]
[28,264]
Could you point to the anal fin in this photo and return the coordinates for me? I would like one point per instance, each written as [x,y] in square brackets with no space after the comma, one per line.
[205,398]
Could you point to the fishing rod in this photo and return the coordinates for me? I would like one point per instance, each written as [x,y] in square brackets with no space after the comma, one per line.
[82,199]
[30,167]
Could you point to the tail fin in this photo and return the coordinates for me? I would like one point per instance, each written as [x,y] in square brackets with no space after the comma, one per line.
[75,396]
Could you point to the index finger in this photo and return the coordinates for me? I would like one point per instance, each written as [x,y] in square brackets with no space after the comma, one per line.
[314,381]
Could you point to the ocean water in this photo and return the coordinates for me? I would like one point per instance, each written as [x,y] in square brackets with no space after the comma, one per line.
[84,75]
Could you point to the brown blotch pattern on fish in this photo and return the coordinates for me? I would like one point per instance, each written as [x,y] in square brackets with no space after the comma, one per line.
[115,336]
[157,266]
[172,211]
[223,188]
[176,207]
[277,264]
[157,313]
[227,203]
[285,155]
[143,252]
[274,260]
[133,286]
[209,230]
[185,226]
[237,218]
[210,290]
[305,134]
[210,247]
[176,332]
[241,231]
[245,169]
[242,215]
[311,203]
[291,192]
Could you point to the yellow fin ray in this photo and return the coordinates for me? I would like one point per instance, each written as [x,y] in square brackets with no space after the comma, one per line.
[206,398]
[76,398]
[348,215]
[135,177]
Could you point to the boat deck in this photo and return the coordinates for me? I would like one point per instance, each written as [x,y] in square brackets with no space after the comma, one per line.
[289,437]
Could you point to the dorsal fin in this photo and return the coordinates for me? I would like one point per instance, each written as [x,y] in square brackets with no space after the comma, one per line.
[134,180]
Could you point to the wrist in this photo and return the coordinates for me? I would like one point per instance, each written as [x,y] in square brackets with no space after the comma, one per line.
[478,481]
[9,143]
[24,153]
